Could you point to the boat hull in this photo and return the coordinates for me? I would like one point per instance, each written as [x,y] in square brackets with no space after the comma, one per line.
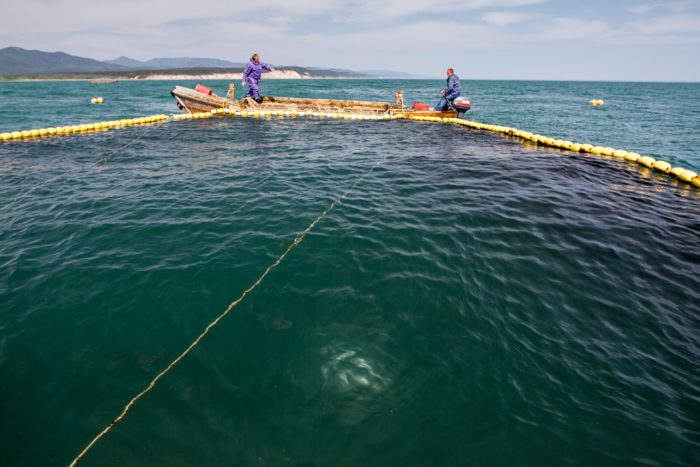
[193,102]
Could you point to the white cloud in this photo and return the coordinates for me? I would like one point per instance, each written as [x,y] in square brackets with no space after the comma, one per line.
[568,29]
[504,18]
[392,10]
[396,34]
[676,7]
[668,24]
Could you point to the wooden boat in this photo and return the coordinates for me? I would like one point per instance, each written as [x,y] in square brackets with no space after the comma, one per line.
[194,101]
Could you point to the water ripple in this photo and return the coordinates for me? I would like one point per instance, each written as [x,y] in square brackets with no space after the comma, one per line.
[469,294]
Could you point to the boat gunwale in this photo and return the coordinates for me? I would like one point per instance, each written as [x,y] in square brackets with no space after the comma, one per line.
[193,101]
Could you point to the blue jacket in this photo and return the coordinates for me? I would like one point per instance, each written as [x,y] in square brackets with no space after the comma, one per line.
[254,70]
[454,88]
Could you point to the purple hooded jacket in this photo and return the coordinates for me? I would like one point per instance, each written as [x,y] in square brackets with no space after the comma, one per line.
[254,70]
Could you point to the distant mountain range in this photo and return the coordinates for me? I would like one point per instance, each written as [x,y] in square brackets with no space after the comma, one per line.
[173,63]
[18,61]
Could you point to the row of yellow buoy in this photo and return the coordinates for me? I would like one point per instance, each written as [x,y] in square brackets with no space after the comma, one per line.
[96,100]
[597,102]
[84,128]
[681,173]
[282,114]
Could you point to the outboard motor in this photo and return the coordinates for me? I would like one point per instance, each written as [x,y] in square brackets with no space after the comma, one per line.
[461,105]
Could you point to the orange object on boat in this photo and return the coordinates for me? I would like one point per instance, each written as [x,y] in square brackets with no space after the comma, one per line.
[420,106]
[203,89]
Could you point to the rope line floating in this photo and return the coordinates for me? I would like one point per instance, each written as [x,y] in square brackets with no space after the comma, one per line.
[682,174]
[82,128]
[688,176]
[297,240]
[663,166]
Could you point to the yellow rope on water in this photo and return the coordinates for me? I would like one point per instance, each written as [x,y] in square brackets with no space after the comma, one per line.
[296,242]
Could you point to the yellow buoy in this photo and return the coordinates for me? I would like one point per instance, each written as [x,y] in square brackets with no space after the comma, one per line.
[696,181]
[687,175]
[632,156]
[607,151]
[646,161]
[677,171]
[620,153]
[576,147]
[662,166]
[597,150]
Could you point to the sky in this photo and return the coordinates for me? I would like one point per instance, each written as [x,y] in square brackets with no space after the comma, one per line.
[613,40]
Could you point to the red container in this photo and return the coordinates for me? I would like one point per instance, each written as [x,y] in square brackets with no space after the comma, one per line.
[420,106]
[203,89]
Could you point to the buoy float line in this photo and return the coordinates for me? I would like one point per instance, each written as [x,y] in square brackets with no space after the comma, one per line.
[82,128]
[662,166]
[297,240]
[682,174]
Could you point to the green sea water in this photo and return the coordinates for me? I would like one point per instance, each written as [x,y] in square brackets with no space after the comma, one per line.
[471,300]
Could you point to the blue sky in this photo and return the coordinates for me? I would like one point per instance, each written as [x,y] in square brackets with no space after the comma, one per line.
[481,39]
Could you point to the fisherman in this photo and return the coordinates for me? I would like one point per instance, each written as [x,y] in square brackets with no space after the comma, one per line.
[252,76]
[454,89]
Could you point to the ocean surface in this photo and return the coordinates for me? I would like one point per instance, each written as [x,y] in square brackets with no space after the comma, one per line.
[462,299]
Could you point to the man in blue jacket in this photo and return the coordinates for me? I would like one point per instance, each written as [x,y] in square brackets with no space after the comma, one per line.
[454,89]
[252,76]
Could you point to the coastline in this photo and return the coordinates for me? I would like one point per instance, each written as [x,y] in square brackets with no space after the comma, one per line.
[277,74]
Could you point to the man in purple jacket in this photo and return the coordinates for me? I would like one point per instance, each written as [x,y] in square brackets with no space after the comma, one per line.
[252,75]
